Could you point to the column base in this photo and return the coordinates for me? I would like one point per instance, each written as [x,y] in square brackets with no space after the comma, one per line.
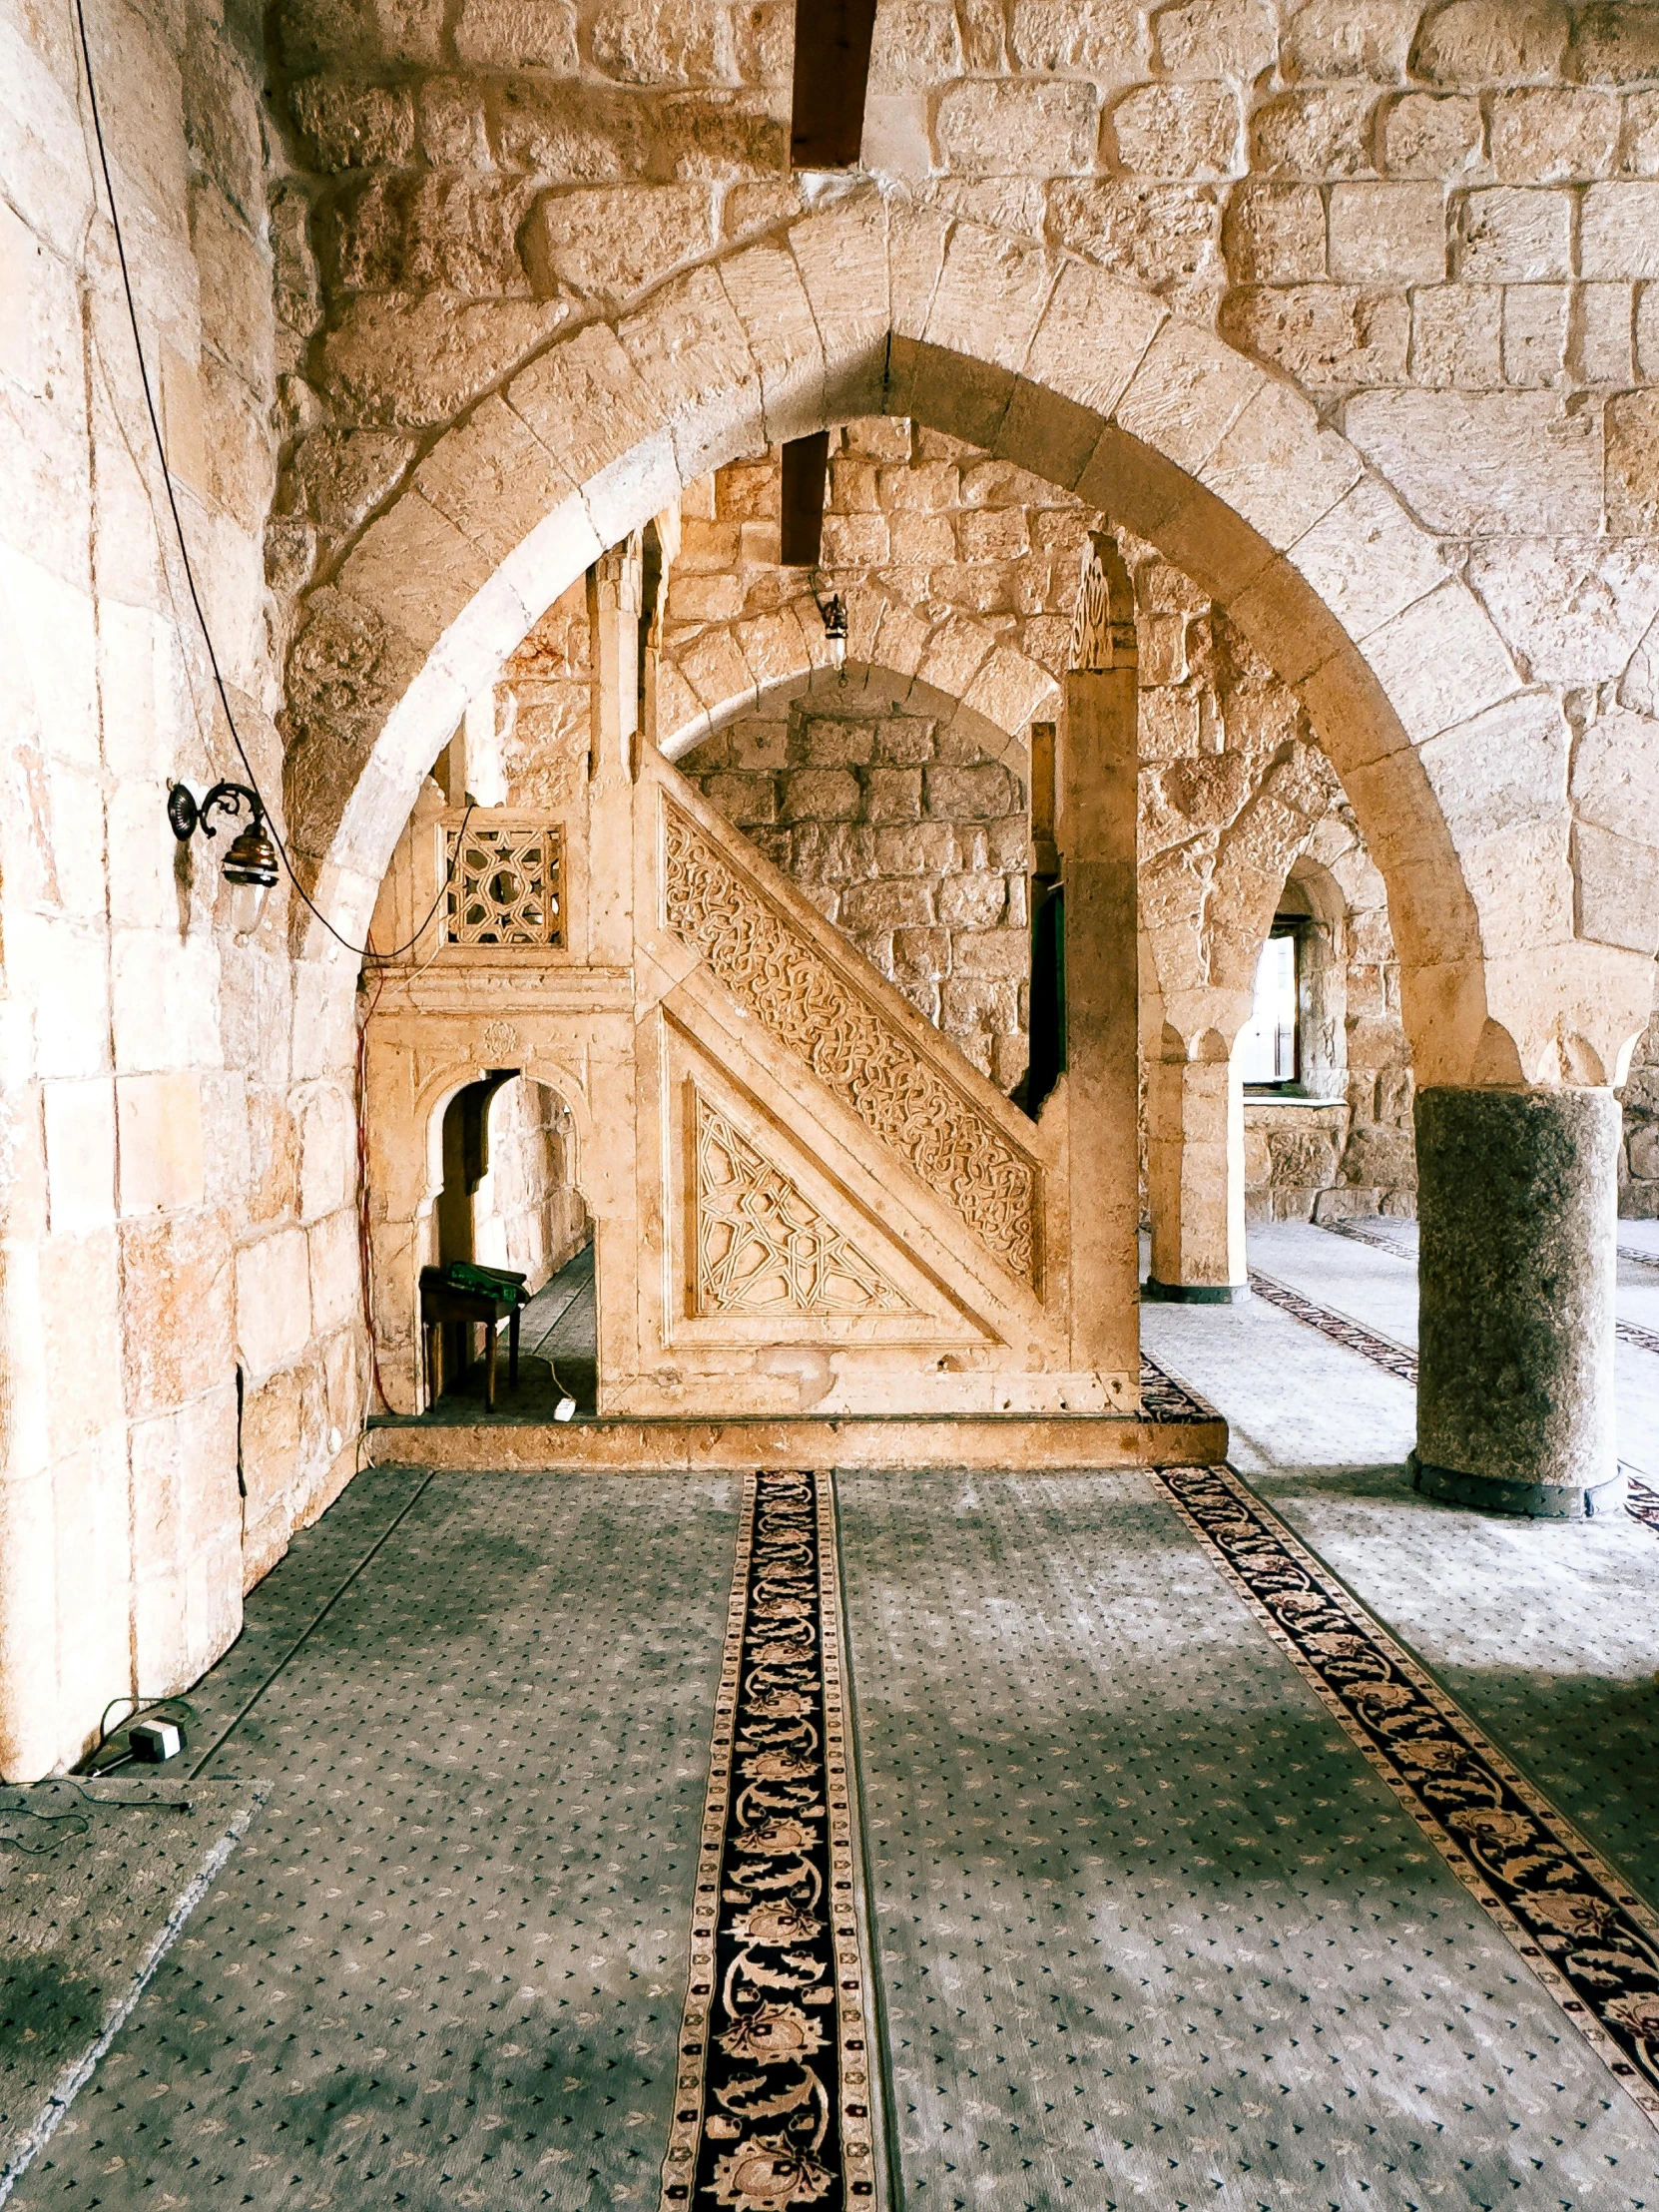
[1154,1292]
[1536,1501]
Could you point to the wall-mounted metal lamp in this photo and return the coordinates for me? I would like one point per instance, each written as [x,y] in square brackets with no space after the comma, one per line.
[833,611]
[250,864]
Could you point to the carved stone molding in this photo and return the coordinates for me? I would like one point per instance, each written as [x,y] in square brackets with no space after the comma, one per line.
[810,1007]
[761,1245]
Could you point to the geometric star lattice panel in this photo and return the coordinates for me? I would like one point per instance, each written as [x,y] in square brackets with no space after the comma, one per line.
[506,887]
[763,1247]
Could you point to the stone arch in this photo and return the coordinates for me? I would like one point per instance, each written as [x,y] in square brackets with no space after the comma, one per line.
[873,305]
[1001,733]
[406,1175]
[1005,688]
[410,1176]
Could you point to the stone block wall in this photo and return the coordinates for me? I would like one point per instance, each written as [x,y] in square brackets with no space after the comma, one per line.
[180,1336]
[910,835]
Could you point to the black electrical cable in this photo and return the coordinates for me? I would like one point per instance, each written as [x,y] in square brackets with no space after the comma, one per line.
[362,951]
[67,1782]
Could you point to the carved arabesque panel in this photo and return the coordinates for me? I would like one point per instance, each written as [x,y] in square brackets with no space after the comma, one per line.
[782,977]
[505,885]
[763,1245]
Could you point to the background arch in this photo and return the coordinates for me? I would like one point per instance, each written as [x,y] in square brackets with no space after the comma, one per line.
[876,306]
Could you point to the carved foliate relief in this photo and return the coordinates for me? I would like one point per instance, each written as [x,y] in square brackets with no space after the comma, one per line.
[763,1245]
[1103,622]
[848,1043]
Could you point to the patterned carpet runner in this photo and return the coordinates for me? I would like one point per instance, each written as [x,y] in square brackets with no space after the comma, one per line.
[1163,1398]
[1586,1935]
[776,2094]
[1382,1351]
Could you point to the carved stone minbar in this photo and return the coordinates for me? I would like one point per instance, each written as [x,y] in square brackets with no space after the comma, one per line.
[804,1199]
[815,1009]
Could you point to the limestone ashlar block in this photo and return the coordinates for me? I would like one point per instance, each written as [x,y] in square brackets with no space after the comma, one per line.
[177,1307]
[988,129]
[1633,463]
[1473,463]
[1365,560]
[1615,44]
[141,108]
[1318,134]
[689,346]
[775,646]
[1616,882]
[1093,336]
[493,480]
[1323,334]
[842,254]
[1576,609]
[77,1338]
[716,670]
[1009,687]
[1273,233]
[1187,391]
[1216,38]
[162,998]
[415,567]
[1481,42]
[1278,467]
[346,124]
[334,1270]
[79,1124]
[1430,134]
[272,1300]
[1391,233]
[1176,131]
[901,640]
[233,282]
[415,360]
[1329,40]
[186,1541]
[1440,659]
[990,297]
[1505,769]
[162,1155]
[517,34]
[1094,38]
[1513,235]
[765,287]
[611,242]
[1605,337]
[1613,783]
[1554,135]
[327,1133]
[956,652]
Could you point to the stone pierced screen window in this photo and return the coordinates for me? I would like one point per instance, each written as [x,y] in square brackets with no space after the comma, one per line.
[506,887]
[1267,1047]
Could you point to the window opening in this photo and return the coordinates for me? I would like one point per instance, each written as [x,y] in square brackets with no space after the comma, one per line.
[1269,1051]
[505,887]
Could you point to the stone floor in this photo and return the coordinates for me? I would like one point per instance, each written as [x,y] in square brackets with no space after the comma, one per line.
[1152,1924]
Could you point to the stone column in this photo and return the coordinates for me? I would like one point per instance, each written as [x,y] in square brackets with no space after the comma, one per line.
[1517,1194]
[1195,1182]
[1099,760]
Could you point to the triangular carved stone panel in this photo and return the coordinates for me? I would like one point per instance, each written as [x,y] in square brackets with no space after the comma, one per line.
[761,1245]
